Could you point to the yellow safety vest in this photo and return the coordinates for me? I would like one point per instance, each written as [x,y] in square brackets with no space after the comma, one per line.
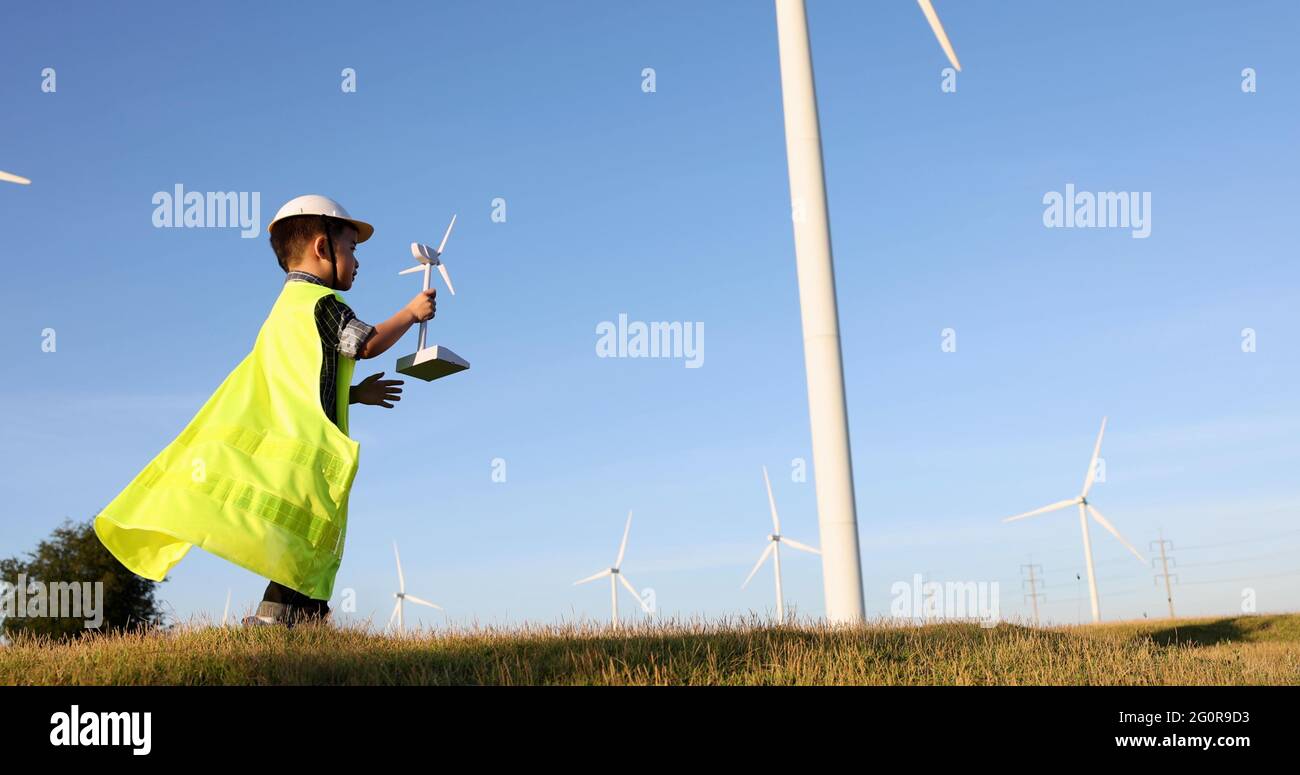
[260,476]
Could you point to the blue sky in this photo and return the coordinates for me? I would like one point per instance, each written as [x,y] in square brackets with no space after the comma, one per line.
[674,206]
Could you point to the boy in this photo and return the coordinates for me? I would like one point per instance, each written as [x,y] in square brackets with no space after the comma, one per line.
[261,475]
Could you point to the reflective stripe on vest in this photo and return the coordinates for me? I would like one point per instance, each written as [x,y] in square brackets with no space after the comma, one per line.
[260,476]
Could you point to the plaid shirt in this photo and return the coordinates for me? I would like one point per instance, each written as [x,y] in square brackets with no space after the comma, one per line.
[341,334]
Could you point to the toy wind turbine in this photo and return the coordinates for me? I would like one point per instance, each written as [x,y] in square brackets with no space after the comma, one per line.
[12,178]
[430,363]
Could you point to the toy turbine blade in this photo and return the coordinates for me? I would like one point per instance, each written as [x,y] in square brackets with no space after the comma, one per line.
[12,178]
[416,268]
[446,235]
[446,277]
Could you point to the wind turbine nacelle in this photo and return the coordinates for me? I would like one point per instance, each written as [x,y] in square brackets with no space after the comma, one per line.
[424,254]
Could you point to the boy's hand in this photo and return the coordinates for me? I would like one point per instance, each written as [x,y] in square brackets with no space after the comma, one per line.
[386,334]
[377,392]
[424,305]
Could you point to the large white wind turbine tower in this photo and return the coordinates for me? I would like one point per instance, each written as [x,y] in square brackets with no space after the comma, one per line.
[399,612]
[616,577]
[1086,509]
[774,550]
[828,416]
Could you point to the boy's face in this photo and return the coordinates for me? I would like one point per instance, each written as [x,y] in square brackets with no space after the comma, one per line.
[345,253]
[343,269]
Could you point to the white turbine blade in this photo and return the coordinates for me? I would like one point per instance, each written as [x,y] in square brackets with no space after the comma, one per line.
[394,615]
[12,178]
[796,545]
[226,613]
[416,268]
[1092,464]
[629,586]
[762,558]
[776,521]
[1111,529]
[937,26]
[422,601]
[593,577]
[446,235]
[622,548]
[1044,510]
[446,278]
[401,580]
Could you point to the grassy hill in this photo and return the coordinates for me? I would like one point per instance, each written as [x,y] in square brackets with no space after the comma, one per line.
[1238,650]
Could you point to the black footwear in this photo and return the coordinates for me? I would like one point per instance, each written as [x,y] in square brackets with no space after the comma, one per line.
[288,614]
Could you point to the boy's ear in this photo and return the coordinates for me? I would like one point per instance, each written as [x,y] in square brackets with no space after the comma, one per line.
[320,248]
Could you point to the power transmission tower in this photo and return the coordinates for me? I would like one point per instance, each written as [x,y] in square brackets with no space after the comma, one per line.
[1164,570]
[1035,572]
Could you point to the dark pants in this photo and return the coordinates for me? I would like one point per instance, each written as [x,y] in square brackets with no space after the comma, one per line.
[289,603]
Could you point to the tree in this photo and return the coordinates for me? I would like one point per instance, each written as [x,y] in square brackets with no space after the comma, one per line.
[74,554]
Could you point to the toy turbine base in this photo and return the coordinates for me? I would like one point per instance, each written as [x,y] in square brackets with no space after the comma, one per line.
[431,363]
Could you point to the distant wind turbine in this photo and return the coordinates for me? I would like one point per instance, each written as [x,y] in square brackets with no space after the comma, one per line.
[399,612]
[226,613]
[1086,509]
[774,549]
[616,577]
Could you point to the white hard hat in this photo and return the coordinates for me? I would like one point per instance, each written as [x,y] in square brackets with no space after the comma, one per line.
[315,204]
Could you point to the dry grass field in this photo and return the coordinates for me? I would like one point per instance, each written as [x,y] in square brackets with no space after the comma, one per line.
[1261,649]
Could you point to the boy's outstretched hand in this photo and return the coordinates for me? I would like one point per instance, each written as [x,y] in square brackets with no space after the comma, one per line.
[376,392]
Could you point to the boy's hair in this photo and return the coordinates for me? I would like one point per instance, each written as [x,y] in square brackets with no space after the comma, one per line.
[289,235]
